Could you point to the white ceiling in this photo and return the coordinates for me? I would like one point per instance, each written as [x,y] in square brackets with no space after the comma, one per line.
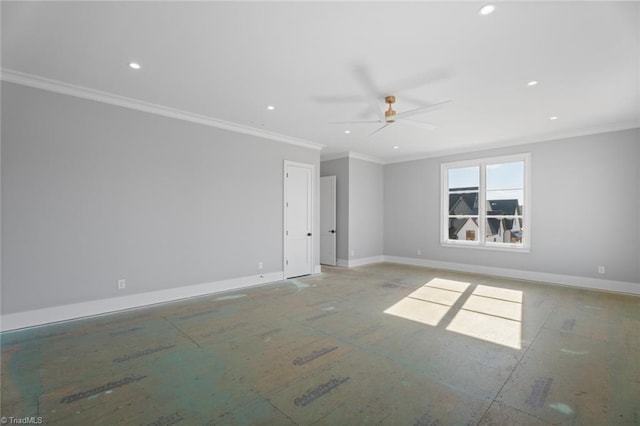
[318,62]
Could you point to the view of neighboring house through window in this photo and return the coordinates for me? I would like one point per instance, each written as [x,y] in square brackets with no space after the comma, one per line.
[485,203]
[464,183]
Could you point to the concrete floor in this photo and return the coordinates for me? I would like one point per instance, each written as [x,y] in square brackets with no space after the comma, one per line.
[384,343]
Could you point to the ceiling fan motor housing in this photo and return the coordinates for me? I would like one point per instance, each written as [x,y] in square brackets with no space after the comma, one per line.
[390,113]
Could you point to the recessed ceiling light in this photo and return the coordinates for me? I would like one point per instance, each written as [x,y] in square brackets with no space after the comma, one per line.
[134,65]
[487,9]
[396,147]
[271,107]
[532,83]
[553,118]
[347,131]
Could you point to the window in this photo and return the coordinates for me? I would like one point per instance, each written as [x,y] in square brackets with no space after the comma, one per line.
[485,203]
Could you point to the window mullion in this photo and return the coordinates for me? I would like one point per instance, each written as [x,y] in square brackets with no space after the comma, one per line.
[444,204]
[508,226]
[482,202]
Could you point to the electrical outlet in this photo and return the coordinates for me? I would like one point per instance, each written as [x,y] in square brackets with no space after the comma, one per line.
[260,265]
[353,253]
[419,252]
[601,269]
[122,284]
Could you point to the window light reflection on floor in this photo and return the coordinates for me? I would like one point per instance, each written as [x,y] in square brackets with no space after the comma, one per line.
[484,312]
[430,303]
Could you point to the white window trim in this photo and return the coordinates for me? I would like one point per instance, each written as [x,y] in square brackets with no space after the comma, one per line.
[525,247]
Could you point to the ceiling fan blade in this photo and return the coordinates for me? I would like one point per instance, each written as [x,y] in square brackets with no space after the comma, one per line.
[415,123]
[421,79]
[419,110]
[371,92]
[329,99]
[355,122]
[376,131]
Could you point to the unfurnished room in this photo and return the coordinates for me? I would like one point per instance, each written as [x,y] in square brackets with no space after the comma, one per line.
[320,212]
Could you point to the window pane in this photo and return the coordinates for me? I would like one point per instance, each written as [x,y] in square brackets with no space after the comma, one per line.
[504,206]
[505,230]
[515,195]
[464,178]
[465,203]
[465,229]
[505,176]
[463,190]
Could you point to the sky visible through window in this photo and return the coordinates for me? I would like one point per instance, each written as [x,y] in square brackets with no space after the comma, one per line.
[505,181]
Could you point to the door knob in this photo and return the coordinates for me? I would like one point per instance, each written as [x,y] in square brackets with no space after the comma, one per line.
[333,231]
[308,234]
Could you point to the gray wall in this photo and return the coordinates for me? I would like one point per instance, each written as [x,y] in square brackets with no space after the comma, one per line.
[360,206]
[340,169]
[366,208]
[92,193]
[585,198]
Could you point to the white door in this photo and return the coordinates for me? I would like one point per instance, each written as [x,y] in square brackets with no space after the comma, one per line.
[328,220]
[298,219]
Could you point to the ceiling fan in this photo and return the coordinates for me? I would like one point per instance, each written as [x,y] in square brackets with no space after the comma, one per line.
[390,116]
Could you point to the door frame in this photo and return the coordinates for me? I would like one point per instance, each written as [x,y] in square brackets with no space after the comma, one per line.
[321,234]
[312,167]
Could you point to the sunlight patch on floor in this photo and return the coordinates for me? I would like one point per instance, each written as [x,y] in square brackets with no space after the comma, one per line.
[430,303]
[436,295]
[484,312]
[419,311]
[498,293]
[487,327]
[495,307]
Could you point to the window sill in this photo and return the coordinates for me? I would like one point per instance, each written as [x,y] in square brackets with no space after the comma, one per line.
[512,248]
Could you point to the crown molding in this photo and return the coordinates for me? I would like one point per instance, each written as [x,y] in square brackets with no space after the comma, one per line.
[517,142]
[352,154]
[334,156]
[56,86]
[364,157]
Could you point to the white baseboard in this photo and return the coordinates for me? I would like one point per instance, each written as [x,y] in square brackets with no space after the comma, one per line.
[366,261]
[97,307]
[360,262]
[566,280]
[317,269]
